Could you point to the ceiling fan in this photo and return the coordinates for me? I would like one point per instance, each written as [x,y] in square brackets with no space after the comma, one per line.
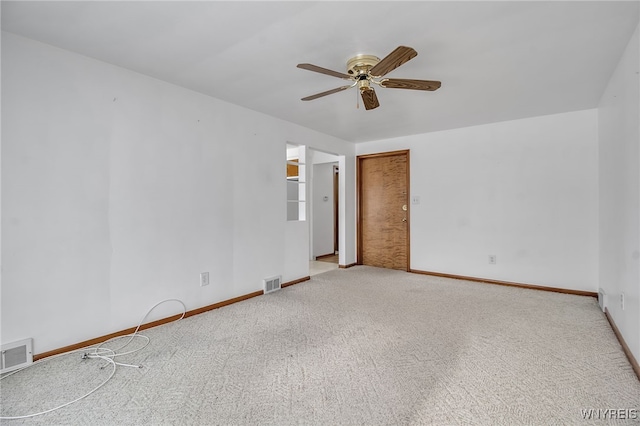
[364,70]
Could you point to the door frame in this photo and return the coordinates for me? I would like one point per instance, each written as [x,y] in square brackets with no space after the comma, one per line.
[359,160]
[336,208]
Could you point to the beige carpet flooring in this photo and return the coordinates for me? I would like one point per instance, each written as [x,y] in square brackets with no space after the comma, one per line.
[357,346]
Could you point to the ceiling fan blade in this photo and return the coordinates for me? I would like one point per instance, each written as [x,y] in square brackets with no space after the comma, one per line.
[369,98]
[328,92]
[403,83]
[315,68]
[393,60]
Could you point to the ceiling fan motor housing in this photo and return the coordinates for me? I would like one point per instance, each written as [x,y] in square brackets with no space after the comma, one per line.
[361,64]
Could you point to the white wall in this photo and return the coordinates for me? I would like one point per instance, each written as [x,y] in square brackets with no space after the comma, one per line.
[524,190]
[619,179]
[347,203]
[119,189]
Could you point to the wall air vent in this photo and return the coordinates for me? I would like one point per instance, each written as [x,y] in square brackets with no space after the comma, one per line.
[272,284]
[16,355]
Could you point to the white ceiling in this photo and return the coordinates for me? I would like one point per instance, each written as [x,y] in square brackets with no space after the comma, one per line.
[497,60]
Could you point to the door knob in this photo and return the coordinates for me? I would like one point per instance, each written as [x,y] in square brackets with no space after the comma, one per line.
[404,208]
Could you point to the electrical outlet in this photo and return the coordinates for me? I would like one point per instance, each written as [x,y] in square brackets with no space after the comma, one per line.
[204,279]
[622,301]
[415,199]
[492,259]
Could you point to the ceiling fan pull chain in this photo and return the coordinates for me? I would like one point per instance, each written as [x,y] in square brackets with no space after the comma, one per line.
[357,100]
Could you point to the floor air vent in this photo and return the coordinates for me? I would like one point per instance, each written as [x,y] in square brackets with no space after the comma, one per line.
[272,284]
[16,355]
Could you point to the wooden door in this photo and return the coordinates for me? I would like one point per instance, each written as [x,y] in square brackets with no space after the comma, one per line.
[383,210]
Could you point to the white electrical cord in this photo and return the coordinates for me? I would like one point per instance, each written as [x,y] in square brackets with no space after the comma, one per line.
[99,353]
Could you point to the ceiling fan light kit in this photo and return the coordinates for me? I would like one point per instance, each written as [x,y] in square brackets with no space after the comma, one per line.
[363,70]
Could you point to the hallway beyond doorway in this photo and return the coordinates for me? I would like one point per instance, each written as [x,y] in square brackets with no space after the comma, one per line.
[317,267]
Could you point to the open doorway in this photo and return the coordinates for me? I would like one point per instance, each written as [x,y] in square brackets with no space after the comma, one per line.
[325,208]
